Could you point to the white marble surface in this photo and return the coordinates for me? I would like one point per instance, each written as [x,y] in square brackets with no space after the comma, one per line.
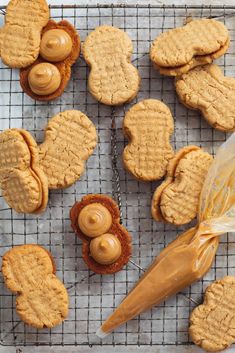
[155,349]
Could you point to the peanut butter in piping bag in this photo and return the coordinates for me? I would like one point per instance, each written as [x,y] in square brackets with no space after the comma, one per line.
[190,256]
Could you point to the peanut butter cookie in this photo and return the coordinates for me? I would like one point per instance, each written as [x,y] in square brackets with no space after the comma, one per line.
[208,90]
[23,183]
[21,34]
[29,272]
[176,200]
[212,323]
[70,139]
[148,125]
[113,80]
[198,60]
[180,49]
[106,245]
[47,78]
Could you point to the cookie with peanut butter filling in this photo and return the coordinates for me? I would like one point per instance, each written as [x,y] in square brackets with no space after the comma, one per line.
[47,78]
[106,244]
[178,50]
[23,184]
[176,200]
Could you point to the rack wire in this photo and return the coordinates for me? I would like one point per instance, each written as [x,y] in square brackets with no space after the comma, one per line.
[93,297]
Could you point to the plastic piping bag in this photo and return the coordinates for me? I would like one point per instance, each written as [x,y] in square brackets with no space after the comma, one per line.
[190,256]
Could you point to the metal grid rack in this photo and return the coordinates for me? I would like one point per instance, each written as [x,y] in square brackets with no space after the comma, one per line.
[93,297]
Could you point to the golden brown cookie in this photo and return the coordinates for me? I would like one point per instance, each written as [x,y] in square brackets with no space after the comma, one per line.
[64,66]
[212,323]
[27,13]
[29,272]
[148,125]
[70,138]
[196,61]
[113,80]
[99,215]
[23,183]
[180,49]
[20,36]
[208,90]
[176,200]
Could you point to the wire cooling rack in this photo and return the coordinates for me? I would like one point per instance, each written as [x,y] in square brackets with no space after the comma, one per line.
[93,297]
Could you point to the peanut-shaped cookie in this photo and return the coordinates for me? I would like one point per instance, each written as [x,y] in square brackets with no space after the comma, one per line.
[208,90]
[23,183]
[70,139]
[197,43]
[47,78]
[148,125]
[212,324]
[198,60]
[29,272]
[21,34]
[176,200]
[106,244]
[113,80]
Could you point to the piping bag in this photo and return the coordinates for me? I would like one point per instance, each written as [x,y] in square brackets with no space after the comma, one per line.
[190,256]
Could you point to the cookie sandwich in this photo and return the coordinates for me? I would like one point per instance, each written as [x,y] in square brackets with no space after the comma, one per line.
[106,246]
[23,183]
[47,78]
[199,42]
[176,200]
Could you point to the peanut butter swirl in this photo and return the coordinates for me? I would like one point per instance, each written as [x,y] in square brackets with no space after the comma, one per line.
[56,45]
[94,220]
[105,249]
[44,79]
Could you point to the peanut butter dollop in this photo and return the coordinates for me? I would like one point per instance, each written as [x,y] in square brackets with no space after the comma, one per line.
[105,249]
[44,79]
[56,45]
[94,220]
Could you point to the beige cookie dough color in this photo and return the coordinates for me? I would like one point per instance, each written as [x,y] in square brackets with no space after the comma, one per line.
[208,90]
[178,46]
[70,139]
[29,272]
[23,184]
[212,323]
[176,200]
[113,80]
[148,125]
[21,34]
